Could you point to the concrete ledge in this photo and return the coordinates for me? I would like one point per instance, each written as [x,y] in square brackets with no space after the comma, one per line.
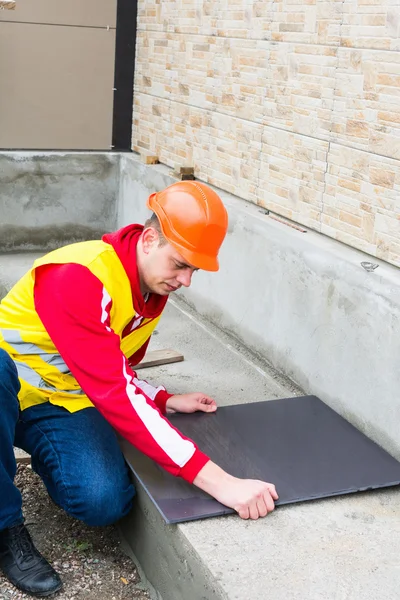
[300,300]
[49,199]
[337,548]
[169,561]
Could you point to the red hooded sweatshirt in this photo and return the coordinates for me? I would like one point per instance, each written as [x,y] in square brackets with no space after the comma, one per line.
[68,300]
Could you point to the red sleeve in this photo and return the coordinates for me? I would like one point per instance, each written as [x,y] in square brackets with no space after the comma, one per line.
[75,309]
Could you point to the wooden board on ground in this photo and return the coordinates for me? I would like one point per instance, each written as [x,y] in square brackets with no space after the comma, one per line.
[148,158]
[160,357]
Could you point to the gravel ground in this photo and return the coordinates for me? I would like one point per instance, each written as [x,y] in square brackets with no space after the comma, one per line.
[88,559]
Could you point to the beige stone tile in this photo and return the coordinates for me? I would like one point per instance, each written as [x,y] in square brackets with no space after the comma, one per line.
[154,51]
[7,4]
[284,21]
[232,18]
[234,155]
[387,249]
[348,238]
[291,178]
[366,109]
[361,200]
[241,77]
[189,142]
[151,15]
[300,88]
[177,16]
[371,24]
[192,69]
[176,133]
[151,125]
[393,255]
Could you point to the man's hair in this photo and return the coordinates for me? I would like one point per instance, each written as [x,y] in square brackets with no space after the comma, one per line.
[155,224]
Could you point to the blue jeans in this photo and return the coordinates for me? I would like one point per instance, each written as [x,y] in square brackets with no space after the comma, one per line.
[76,455]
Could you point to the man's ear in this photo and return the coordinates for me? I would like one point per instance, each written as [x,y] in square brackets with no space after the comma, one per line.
[149,239]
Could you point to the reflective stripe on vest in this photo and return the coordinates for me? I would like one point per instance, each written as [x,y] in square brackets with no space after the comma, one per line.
[14,339]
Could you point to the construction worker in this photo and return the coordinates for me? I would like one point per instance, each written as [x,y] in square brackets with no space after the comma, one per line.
[70,332]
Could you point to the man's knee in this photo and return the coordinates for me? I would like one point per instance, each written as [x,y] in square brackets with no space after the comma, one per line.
[101,502]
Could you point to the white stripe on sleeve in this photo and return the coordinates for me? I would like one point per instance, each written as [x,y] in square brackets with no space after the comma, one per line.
[147,388]
[178,449]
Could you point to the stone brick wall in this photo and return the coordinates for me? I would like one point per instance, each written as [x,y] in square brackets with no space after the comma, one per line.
[291,104]
[7,4]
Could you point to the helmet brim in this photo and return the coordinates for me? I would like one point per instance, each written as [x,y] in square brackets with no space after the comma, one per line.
[199,261]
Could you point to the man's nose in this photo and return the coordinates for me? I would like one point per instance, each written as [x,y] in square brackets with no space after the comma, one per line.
[185,277]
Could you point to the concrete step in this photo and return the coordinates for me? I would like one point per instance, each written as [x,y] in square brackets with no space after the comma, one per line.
[333,549]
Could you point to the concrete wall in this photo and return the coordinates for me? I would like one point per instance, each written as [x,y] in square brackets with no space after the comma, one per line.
[290,105]
[302,301]
[51,199]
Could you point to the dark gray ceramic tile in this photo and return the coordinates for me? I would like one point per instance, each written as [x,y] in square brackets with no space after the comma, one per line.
[300,444]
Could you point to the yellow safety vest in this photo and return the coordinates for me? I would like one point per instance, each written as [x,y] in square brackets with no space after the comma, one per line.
[43,374]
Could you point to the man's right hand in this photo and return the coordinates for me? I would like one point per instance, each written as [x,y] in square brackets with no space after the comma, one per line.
[250,498]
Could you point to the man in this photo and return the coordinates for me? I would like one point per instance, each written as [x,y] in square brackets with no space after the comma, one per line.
[70,332]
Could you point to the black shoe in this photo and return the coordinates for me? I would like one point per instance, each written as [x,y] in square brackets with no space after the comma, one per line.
[23,564]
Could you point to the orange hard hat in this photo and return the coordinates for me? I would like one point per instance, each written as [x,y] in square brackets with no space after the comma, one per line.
[193,220]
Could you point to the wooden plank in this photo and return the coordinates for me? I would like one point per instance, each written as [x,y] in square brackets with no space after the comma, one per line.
[184,173]
[186,170]
[293,225]
[160,357]
[148,158]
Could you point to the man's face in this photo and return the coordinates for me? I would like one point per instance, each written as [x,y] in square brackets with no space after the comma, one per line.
[163,270]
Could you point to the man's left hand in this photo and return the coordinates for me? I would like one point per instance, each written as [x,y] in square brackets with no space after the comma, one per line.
[190,403]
